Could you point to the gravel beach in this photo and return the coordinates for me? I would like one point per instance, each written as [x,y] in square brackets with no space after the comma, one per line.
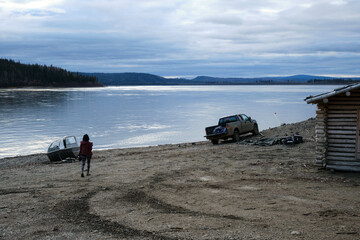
[183,191]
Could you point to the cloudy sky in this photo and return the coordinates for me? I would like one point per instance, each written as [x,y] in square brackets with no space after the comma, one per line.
[227,38]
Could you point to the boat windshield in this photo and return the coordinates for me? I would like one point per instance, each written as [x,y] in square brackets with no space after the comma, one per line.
[70,140]
[55,145]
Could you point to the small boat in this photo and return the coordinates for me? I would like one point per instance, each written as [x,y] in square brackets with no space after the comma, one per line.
[66,147]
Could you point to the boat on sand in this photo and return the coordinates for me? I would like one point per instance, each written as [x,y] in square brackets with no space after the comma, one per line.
[63,148]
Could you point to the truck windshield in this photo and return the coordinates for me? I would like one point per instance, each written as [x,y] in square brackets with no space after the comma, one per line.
[226,120]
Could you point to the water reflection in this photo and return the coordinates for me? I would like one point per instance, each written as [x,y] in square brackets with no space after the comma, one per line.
[30,119]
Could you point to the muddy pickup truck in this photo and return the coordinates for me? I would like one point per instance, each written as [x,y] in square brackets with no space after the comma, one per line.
[231,127]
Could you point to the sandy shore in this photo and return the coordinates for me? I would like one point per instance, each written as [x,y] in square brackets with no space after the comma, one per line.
[182,191]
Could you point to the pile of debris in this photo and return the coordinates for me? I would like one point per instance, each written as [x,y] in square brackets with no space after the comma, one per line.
[264,141]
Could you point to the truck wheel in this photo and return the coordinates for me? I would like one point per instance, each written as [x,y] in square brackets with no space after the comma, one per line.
[215,141]
[236,136]
[256,130]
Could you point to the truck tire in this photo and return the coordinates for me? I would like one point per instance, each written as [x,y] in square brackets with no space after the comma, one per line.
[256,130]
[236,136]
[215,141]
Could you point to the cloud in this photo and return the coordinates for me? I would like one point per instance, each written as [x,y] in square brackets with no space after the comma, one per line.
[185,37]
[25,6]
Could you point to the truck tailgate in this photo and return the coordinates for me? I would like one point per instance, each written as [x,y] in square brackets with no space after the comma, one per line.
[215,132]
[210,130]
[215,136]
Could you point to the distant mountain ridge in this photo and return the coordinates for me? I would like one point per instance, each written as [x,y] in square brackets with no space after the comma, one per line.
[111,79]
[16,74]
[293,79]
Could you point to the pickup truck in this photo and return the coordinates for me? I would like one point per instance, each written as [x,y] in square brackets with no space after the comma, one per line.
[231,127]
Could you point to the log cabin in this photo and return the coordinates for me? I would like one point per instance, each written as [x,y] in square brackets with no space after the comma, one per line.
[337,129]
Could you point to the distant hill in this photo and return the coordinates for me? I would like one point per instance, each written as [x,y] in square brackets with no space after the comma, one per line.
[296,79]
[109,79]
[15,74]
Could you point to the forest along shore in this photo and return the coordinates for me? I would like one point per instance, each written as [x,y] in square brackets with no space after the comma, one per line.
[183,191]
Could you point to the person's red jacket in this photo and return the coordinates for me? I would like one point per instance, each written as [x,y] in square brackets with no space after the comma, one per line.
[85,148]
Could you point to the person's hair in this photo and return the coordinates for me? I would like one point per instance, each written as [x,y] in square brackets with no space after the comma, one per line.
[86,138]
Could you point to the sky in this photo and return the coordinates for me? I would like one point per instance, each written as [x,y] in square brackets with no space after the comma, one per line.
[185,38]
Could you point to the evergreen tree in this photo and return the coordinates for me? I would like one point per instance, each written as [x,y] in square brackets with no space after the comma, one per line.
[15,74]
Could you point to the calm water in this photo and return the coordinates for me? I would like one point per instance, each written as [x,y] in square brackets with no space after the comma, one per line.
[117,117]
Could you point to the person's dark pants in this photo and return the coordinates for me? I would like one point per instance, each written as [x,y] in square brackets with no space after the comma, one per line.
[83,160]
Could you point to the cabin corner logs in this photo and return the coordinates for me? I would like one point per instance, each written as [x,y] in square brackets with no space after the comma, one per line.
[337,131]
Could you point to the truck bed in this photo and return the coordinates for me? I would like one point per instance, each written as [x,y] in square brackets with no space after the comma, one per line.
[210,130]
[211,135]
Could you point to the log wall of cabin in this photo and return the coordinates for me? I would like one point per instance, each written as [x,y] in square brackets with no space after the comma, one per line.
[341,128]
[320,134]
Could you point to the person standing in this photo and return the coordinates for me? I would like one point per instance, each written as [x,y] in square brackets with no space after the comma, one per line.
[85,153]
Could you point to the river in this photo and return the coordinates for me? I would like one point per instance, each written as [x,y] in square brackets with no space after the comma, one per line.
[132,116]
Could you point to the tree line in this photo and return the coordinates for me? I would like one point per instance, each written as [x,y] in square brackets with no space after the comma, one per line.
[335,81]
[16,74]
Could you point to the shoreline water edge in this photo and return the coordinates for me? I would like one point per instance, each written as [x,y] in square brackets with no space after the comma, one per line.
[279,131]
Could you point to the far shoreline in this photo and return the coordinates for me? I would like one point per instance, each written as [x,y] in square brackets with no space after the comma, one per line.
[142,85]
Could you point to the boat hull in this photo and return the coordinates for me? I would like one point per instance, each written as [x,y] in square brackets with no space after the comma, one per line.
[62,154]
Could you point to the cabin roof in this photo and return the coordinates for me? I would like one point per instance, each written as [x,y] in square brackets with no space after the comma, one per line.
[336,91]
